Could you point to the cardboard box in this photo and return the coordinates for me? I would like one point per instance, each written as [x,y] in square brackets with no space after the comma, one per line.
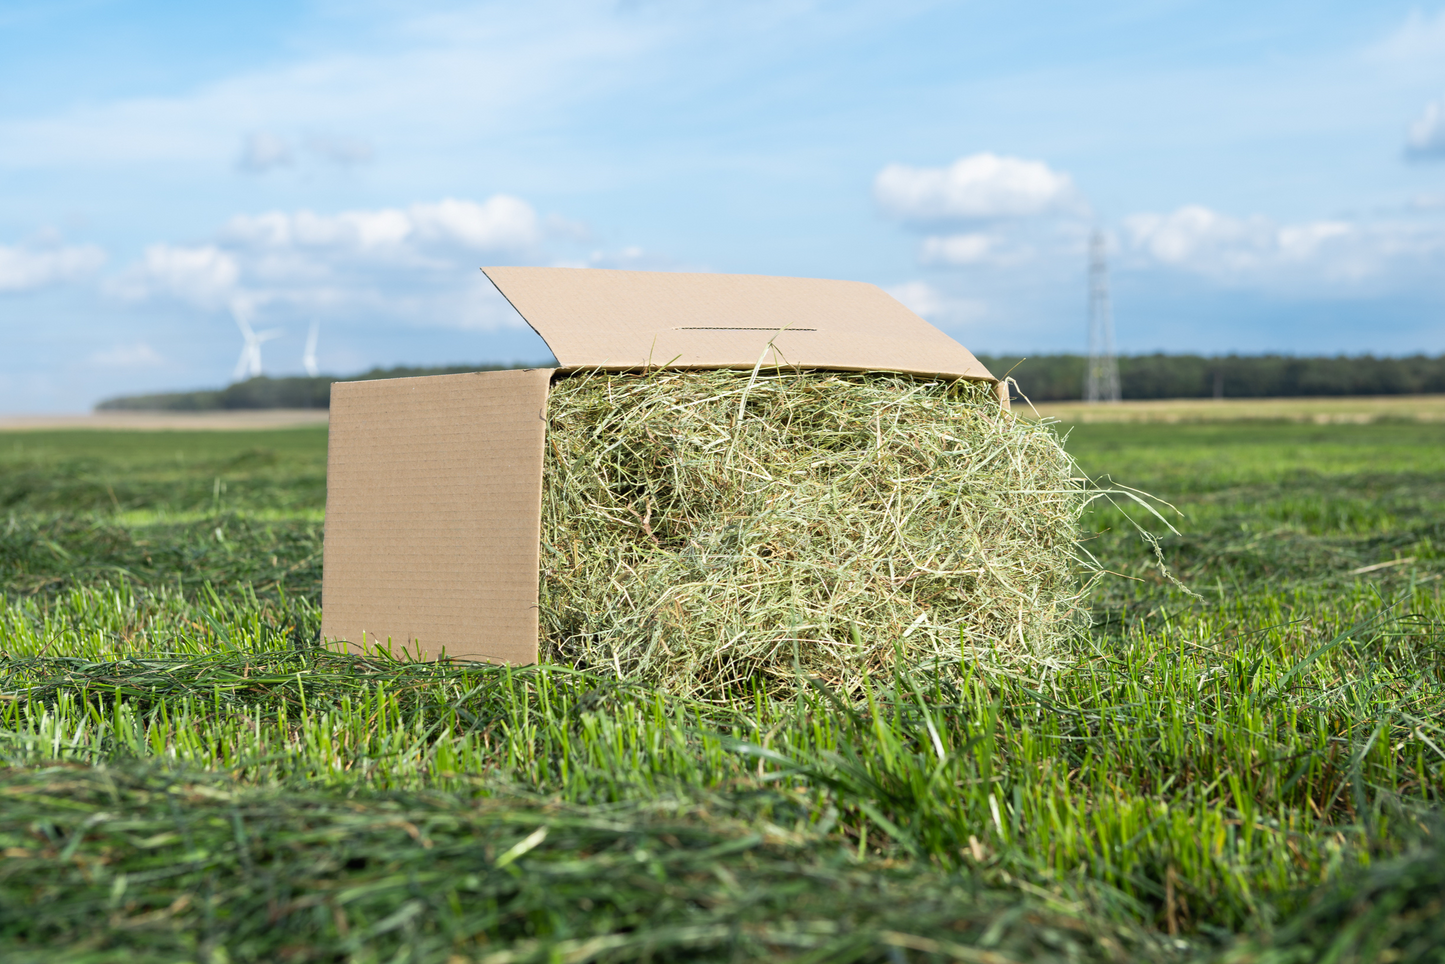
[434,484]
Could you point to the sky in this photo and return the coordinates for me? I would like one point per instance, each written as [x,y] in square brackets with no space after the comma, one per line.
[1268,176]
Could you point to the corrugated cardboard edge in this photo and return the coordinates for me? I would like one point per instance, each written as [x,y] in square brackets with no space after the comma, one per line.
[433,514]
[627,320]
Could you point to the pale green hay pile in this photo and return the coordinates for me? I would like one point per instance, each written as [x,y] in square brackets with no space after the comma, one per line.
[702,529]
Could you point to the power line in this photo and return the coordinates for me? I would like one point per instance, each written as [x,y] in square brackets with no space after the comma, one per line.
[1102,381]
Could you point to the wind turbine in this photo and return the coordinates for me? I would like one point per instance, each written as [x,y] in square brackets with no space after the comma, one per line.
[308,358]
[249,364]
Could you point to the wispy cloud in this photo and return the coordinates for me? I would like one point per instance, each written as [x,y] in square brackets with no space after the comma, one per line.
[201,275]
[341,151]
[958,249]
[945,310]
[1426,138]
[137,355]
[442,81]
[24,268]
[262,151]
[629,258]
[1419,40]
[265,151]
[416,264]
[998,248]
[1257,251]
[501,223]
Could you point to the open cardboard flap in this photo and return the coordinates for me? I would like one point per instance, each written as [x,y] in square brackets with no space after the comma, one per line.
[594,318]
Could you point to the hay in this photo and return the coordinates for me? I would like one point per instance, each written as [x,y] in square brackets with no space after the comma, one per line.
[703,529]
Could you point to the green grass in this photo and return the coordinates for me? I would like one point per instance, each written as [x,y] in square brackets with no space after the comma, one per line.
[1250,774]
[162,510]
[76,471]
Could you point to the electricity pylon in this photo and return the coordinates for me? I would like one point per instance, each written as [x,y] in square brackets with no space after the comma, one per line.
[1102,381]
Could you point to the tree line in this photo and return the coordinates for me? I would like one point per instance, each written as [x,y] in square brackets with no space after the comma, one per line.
[264,392]
[1053,378]
[1043,378]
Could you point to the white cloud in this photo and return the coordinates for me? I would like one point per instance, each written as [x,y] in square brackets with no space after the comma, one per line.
[630,258]
[1426,137]
[928,302]
[417,264]
[138,355]
[1198,238]
[262,151]
[203,275]
[1194,235]
[920,297]
[957,249]
[23,268]
[501,223]
[1261,252]
[977,248]
[351,230]
[978,187]
[1301,242]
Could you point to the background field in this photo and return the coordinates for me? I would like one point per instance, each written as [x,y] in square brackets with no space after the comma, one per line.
[1246,765]
[1359,410]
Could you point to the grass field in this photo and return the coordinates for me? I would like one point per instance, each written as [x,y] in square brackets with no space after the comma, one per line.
[1245,767]
[1336,410]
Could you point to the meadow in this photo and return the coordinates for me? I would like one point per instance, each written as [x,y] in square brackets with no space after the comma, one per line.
[1243,761]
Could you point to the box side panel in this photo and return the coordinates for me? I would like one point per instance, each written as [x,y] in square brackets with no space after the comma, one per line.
[433,513]
[633,319]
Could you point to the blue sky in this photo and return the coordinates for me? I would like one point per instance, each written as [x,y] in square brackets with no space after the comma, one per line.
[1270,176]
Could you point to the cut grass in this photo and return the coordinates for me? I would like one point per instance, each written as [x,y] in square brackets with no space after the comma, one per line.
[1390,911]
[1203,783]
[145,865]
[53,553]
[78,471]
[1197,775]
[707,531]
[1277,518]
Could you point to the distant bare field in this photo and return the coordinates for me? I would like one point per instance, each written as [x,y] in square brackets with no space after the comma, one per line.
[1335,410]
[190,421]
[1348,410]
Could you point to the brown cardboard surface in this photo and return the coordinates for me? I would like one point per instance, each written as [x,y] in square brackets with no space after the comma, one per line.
[433,513]
[593,318]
